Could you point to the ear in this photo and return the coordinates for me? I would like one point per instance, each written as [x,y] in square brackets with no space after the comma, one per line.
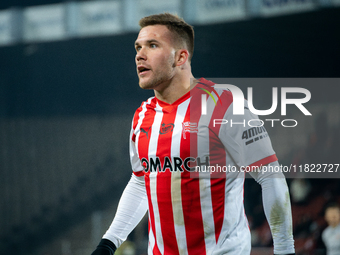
[182,56]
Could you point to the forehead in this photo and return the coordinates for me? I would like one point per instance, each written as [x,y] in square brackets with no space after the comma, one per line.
[332,210]
[154,32]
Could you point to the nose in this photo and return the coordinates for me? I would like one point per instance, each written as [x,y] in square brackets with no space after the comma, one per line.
[141,54]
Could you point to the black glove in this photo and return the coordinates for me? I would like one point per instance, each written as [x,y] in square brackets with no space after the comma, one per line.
[105,247]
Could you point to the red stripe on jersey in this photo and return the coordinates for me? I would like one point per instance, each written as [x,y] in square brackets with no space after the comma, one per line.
[135,121]
[218,157]
[164,185]
[263,162]
[191,202]
[139,174]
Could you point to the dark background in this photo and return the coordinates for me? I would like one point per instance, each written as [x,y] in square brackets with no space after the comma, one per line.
[97,75]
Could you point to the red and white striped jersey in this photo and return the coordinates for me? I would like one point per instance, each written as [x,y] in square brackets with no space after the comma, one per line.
[172,146]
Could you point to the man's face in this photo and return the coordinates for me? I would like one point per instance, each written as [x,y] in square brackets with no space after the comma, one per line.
[155,57]
[332,216]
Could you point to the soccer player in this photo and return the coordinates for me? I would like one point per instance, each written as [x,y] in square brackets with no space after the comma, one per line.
[331,235]
[171,146]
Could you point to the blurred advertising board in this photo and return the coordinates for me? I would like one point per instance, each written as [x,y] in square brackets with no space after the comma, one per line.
[44,23]
[99,18]
[136,9]
[213,11]
[6,35]
[280,7]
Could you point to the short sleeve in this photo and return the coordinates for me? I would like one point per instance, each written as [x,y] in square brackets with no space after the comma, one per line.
[136,165]
[246,139]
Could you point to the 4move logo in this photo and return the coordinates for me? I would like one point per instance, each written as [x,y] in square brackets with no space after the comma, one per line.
[239,107]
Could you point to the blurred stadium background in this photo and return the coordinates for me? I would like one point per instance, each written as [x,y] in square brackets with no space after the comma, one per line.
[68,91]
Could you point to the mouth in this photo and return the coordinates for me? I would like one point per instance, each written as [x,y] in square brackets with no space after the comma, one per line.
[142,70]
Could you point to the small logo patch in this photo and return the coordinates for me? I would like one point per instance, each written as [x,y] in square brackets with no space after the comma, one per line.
[189,127]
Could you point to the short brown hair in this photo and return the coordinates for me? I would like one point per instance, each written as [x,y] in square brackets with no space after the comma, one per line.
[175,24]
[333,205]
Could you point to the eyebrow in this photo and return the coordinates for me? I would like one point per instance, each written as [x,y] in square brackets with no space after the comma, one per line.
[148,42]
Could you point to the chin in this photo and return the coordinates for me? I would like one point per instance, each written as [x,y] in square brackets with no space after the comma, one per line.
[145,85]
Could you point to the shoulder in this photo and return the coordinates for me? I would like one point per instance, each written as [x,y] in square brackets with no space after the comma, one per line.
[142,109]
[337,228]
[149,101]
[325,233]
[211,86]
[217,92]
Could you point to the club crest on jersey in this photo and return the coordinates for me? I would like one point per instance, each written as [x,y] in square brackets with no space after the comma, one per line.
[189,127]
[166,128]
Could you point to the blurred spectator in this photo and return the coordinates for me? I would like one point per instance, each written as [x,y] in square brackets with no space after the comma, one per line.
[331,235]
[299,190]
[127,248]
[319,141]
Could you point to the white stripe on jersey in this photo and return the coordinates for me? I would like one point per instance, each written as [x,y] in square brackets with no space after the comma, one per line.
[176,181]
[151,238]
[153,176]
[141,116]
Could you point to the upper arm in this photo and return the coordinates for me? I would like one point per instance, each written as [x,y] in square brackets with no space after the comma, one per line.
[246,139]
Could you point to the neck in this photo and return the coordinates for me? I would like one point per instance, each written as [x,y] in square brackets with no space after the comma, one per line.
[335,224]
[174,90]
[176,87]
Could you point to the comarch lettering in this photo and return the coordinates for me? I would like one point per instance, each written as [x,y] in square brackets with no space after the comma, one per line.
[174,164]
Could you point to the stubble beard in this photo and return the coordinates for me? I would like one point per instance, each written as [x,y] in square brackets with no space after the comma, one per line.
[158,77]
[154,82]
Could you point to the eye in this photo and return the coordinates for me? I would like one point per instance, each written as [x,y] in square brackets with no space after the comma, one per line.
[152,45]
[138,48]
